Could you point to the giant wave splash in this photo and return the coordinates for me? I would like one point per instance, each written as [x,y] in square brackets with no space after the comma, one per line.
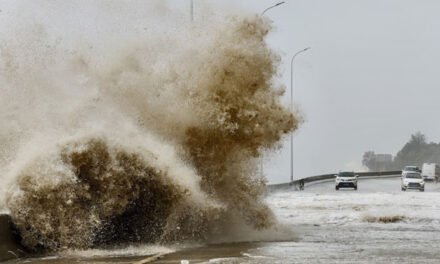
[157,143]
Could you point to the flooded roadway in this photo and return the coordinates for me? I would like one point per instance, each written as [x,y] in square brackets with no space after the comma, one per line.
[351,226]
[343,226]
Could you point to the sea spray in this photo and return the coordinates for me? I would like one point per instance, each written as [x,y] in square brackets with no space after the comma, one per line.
[89,191]
[157,142]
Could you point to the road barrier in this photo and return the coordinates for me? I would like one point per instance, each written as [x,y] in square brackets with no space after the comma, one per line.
[295,185]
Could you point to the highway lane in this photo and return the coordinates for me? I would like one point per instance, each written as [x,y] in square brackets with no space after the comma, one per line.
[348,226]
[368,185]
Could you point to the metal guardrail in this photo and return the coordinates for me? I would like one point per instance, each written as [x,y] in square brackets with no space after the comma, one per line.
[295,184]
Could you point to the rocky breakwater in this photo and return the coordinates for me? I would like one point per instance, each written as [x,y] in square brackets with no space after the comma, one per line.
[9,243]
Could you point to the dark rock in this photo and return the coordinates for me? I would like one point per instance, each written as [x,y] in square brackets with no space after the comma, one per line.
[9,244]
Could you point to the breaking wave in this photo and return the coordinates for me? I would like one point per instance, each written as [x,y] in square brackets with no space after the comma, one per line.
[153,142]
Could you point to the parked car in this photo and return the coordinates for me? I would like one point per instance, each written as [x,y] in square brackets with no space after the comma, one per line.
[413,180]
[410,169]
[346,180]
[431,171]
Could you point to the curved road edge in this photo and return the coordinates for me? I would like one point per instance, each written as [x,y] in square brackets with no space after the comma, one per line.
[294,186]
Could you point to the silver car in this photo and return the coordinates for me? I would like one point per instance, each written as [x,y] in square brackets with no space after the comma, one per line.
[346,180]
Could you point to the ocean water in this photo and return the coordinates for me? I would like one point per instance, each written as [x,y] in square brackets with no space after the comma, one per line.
[376,224]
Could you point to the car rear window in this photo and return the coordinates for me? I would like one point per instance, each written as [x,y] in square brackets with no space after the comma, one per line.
[346,174]
[413,176]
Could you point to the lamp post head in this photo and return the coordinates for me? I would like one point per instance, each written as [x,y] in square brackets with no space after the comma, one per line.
[270,7]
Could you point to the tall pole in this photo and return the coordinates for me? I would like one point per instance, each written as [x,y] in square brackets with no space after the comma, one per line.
[291,108]
[192,10]
[262,13]
[270,7]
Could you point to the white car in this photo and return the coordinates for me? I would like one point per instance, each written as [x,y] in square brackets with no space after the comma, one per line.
[413,180]
[346,180]
[410,169]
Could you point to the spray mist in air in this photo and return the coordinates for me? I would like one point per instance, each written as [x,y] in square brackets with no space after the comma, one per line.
[152,142]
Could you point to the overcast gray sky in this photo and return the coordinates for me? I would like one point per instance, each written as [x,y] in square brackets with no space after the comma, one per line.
[369,81]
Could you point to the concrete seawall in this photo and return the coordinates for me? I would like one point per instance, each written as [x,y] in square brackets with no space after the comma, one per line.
[9,246]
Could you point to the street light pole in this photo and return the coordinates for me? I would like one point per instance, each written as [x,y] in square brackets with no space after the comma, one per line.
[270,7]
[262,14]
[291,108]
[192,10]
